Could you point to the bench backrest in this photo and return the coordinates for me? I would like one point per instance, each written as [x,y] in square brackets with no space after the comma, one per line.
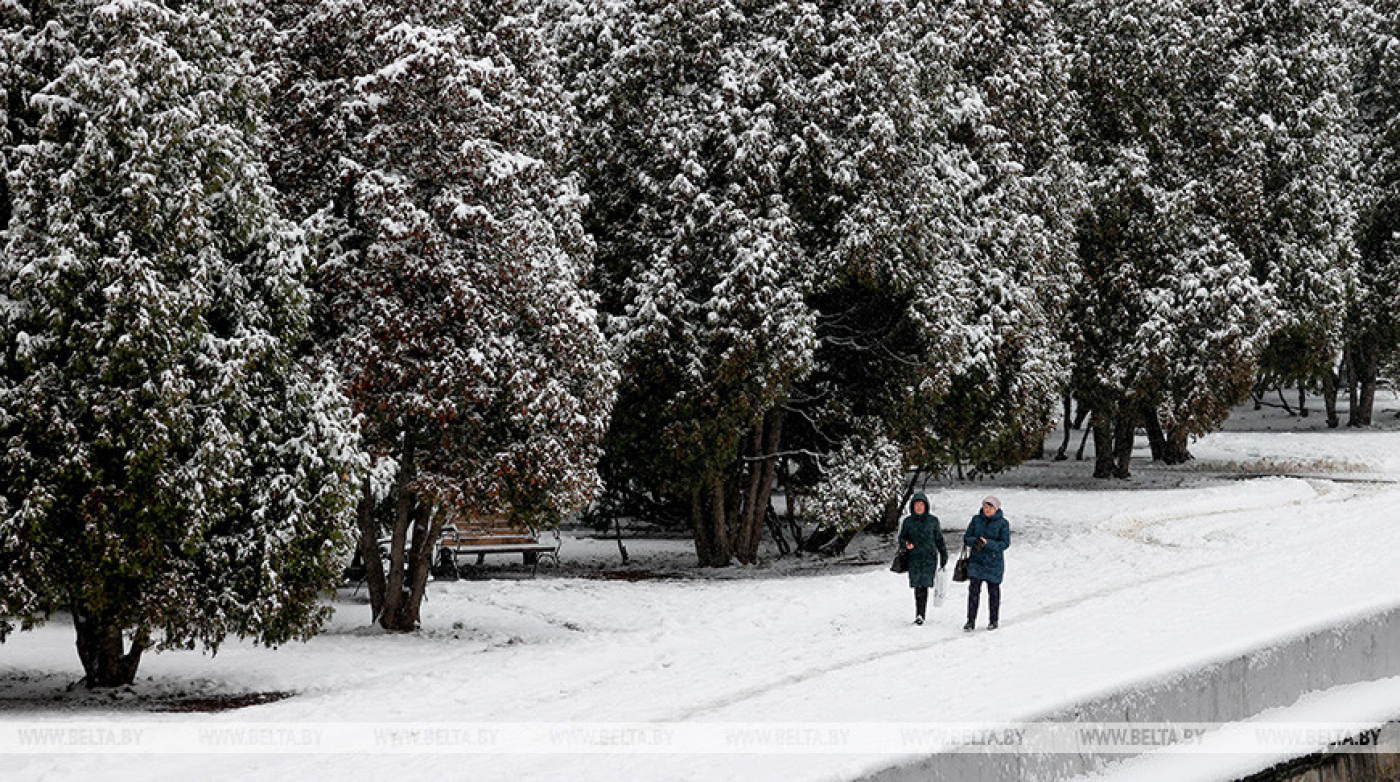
[485,531]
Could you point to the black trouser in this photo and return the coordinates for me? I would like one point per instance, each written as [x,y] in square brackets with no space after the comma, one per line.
[920,600]
[974,594]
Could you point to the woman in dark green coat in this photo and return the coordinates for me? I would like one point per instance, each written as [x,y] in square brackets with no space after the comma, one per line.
[923,537]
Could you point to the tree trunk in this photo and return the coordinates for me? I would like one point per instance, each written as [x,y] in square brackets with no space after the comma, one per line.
[762,473]
[1101,422]
[1069,413]
[774,440]
[890,516]
[719,523]
[621,549]
[820,537]
[427,526]
[1156,439]
[1302,401]
[894,509]
[775,531]
[1083,441]
[1124,425]
[1177,451]
[699,526]
[833,542]
[395,589]
[790,505]
[747,517]
[1353,398]
[1329,398]
[1366,407]
[709,522]
[369,553]
[829,541]
[1365,367]
[1081,412]
[106,661]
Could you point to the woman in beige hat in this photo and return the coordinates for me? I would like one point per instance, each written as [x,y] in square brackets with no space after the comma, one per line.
[988,535]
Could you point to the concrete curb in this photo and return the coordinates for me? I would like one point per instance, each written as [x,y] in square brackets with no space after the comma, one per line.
[1356,650]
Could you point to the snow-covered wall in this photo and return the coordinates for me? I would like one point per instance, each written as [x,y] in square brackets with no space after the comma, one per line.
[1235,688]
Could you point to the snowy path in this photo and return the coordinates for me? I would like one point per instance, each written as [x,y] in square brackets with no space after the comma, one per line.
[1104,589]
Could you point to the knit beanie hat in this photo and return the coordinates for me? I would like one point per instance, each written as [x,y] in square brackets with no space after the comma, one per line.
[993,501]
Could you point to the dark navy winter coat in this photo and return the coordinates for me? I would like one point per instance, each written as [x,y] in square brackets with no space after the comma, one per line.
[986,564]
[929,552]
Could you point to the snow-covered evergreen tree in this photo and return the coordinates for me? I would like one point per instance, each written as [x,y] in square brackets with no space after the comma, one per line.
[1012,107]
[1170,316]
[683,152]
[1373,325]
[174,470]
[871,156]
[941,196]
[1287,195]
[452,263]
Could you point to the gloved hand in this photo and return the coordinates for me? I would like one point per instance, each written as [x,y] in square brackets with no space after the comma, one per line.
[977,545]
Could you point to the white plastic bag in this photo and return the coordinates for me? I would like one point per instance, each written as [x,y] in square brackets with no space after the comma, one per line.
[940,586]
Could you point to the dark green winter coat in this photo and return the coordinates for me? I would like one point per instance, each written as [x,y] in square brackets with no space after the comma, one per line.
[929,552]
[987,564]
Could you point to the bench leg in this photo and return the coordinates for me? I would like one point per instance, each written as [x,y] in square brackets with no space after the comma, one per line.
[532,558]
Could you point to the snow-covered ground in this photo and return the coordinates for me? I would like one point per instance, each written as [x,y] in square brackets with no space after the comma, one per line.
[1106,586]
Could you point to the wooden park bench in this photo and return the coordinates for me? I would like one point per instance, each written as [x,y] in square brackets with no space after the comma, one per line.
[482,536]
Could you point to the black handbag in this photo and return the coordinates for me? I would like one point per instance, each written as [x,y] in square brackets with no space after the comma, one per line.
[901,561]
[960,569]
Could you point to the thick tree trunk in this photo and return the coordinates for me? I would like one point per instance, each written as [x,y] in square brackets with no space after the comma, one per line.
[709,523]
[1124,425]
[396,589]
[427,526]
[763,468]
[369,552]
[699,528]
[1101,422]
[106,660]
[1083,441]
[1156,439]
[719,523]
[1329,398]
[1365,408]
[1177,450]
[773,442]
[1365,367]
[745,527]
[1302,401]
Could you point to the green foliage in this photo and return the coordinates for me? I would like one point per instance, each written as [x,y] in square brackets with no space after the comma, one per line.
[172,463]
